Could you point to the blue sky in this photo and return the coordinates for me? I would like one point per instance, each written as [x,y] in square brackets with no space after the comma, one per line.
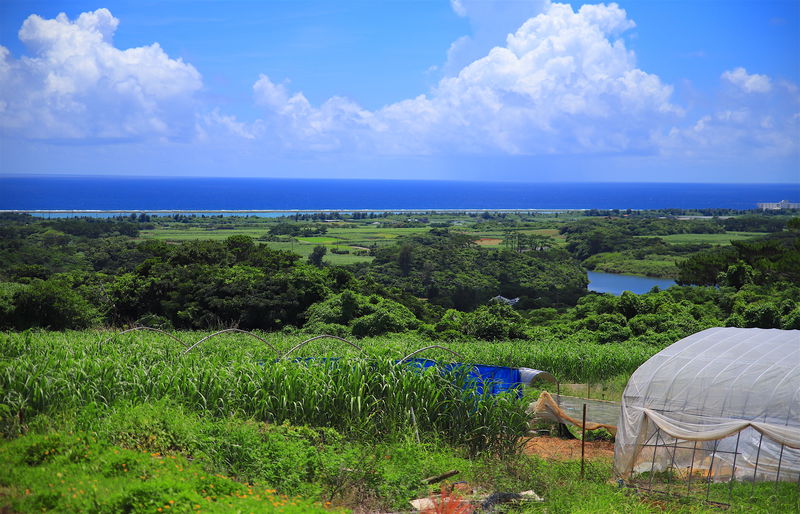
[464,89]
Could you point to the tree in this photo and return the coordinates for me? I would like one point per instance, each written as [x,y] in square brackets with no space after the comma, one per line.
[737,275]
[50,304]
[359,314]
[494,322]
[317,254]
[240,246]
[404,258]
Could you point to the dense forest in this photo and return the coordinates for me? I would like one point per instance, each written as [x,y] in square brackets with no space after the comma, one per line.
[83,272]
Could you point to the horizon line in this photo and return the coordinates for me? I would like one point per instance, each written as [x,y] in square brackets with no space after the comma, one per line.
[189,177]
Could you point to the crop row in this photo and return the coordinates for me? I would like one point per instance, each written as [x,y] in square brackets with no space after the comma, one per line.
[45,373]
[568,360]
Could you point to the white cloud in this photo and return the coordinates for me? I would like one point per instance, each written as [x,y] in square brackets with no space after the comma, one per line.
[748,83]
[458,7]
[217,126]
[562,84]
[490,23]
[743,126]
[336,124]
[77,85]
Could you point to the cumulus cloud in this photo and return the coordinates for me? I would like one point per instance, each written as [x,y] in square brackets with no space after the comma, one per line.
[766,125]
[337,124]
[216,126]
[561,84]
[490,23]
[560,81]
[748,83]
[76,85]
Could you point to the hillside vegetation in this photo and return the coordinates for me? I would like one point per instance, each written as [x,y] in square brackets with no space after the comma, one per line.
[96,421]
[79,273]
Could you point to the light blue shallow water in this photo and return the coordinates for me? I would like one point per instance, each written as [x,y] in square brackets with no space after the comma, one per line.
[615,283]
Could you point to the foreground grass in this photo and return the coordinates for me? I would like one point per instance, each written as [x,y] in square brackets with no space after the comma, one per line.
[149,456]
[76,472]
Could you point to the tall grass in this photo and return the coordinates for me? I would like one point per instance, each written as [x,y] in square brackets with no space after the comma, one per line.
[569,361]
[43,372]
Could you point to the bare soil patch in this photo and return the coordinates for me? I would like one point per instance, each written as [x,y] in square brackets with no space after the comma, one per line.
[489,241]
[555,448]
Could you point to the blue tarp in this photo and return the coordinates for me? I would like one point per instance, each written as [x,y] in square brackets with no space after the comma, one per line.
[500,379]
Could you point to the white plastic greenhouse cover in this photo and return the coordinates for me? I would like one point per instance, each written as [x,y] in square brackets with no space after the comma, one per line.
[725,389]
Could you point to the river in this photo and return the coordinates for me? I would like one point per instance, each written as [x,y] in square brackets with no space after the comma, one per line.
[616,283]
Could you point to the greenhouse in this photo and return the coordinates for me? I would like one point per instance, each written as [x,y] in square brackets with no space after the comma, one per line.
[719,405]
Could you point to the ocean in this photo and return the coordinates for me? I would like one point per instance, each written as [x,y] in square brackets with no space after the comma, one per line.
[121,193]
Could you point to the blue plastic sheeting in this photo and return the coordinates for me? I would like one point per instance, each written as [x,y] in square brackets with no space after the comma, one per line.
[498,379]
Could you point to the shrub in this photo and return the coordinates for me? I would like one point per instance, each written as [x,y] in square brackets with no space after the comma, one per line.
[791,321]
[493,322]
[361,315]
[613,333]
[761,315]
[48,303]
[7,292]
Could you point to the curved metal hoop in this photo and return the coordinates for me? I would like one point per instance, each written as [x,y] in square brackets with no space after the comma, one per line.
[298,345]
[134,329]
[206,338]
[430,348]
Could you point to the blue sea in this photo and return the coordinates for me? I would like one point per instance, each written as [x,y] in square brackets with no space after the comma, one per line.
[121,193]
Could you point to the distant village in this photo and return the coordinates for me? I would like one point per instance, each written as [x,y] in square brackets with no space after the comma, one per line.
[774,206]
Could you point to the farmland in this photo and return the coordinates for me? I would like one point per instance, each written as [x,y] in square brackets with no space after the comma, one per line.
[713,239]
[357,236]
[354,237]
[130,422]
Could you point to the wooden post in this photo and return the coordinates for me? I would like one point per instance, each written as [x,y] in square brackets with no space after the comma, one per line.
[583,439]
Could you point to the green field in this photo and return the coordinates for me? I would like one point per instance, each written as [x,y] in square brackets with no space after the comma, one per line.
[305,249]
[319,240]
[716,239]
[180,232]
[652,265]
[355,234]
[303,246]
[369,235]
[347,236]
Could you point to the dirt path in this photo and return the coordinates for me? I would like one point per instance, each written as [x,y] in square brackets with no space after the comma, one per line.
[555,448]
